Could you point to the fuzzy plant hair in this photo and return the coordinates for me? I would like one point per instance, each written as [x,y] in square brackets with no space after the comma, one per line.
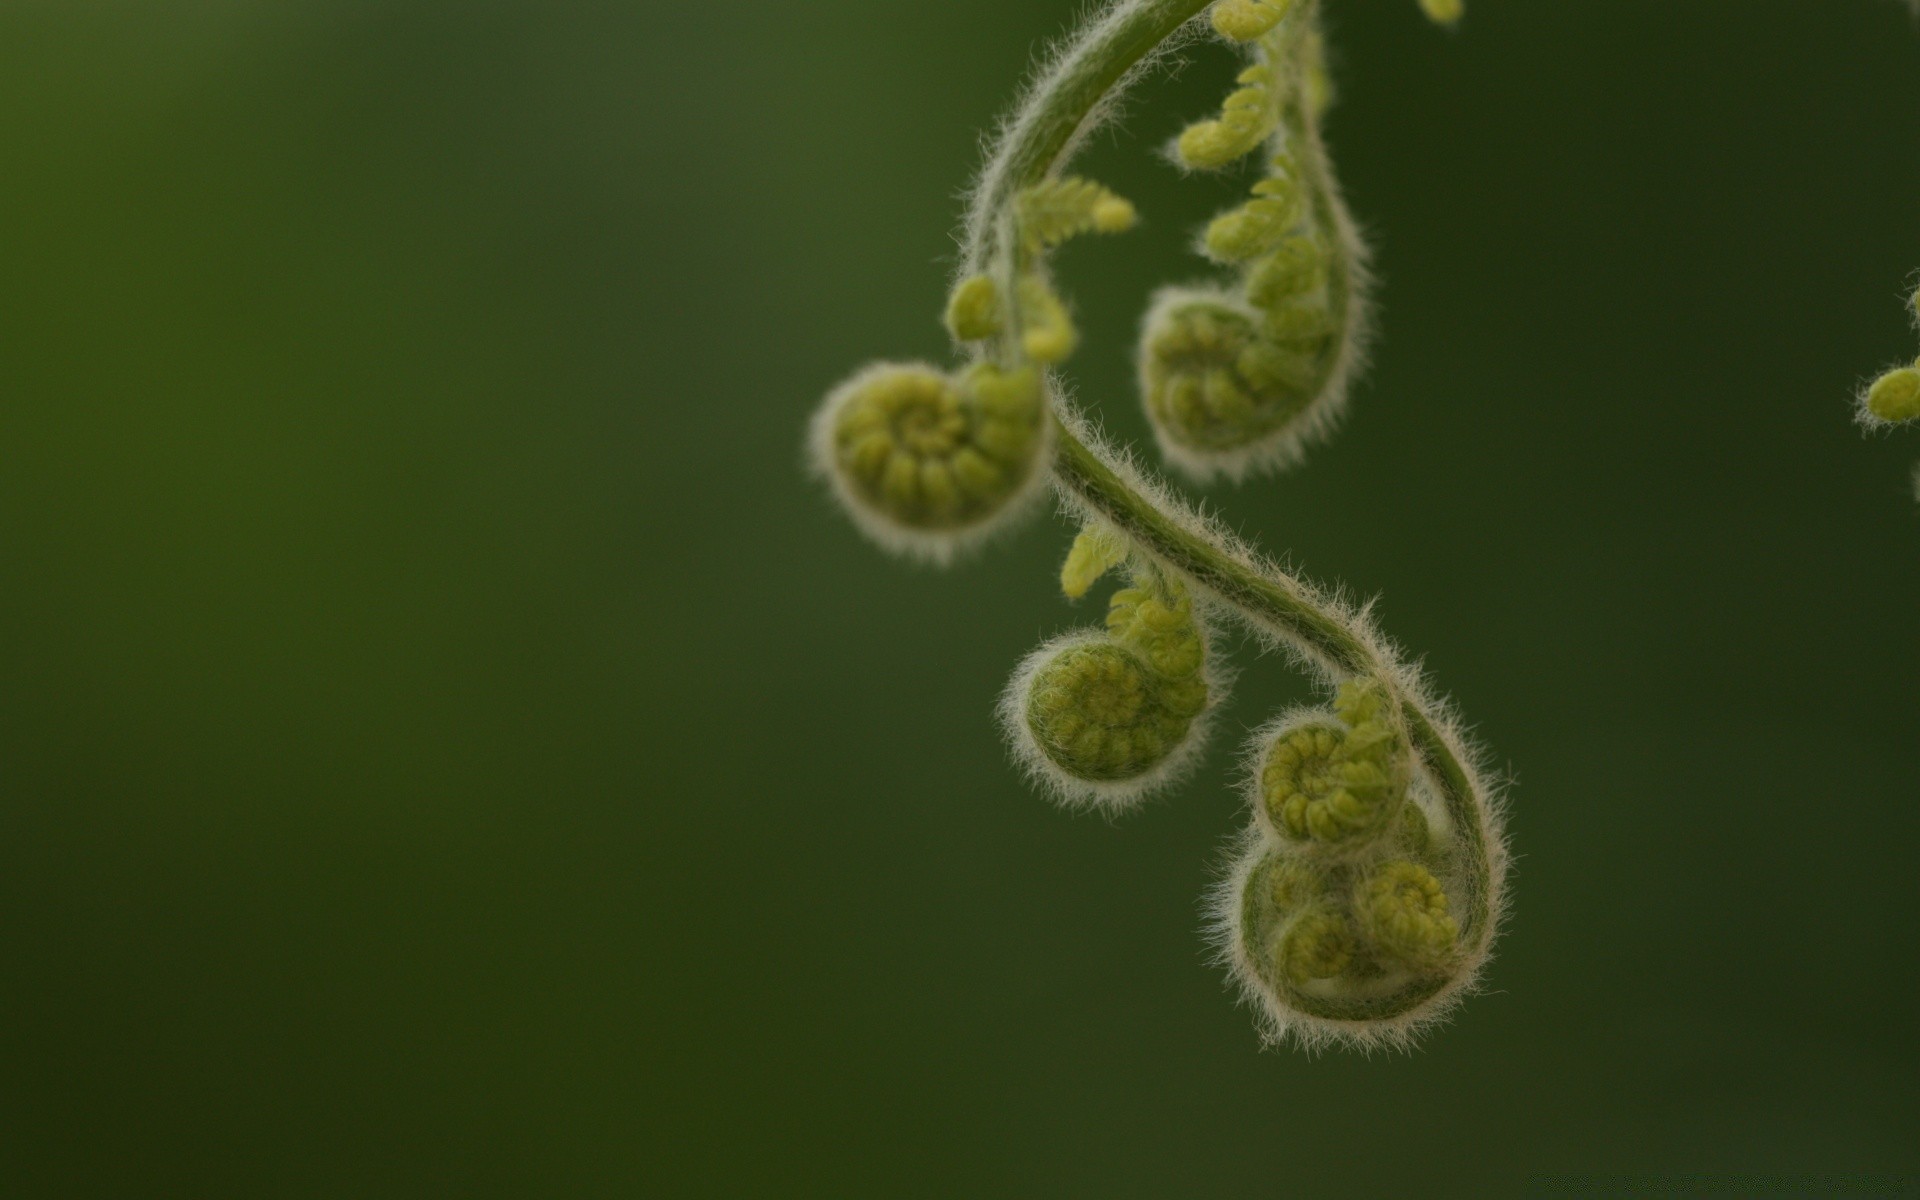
[1364,894]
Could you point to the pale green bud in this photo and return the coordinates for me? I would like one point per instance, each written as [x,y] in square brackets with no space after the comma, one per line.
[1047,333]
[1895,396]
[1443,12]
[1245,20]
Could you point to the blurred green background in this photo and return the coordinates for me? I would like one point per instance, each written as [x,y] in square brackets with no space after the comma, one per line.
[448,747]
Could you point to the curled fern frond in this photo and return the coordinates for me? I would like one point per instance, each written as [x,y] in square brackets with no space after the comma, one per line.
[1336,780]
[927,462]
[1245,380]
[1403,910]
[1104,718]
[1337,951]
[1220,378]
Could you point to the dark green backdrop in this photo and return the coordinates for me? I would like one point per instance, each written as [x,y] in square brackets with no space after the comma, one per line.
[448,747]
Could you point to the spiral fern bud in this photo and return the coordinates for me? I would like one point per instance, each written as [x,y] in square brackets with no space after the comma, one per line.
[1895,396]
[1403,910]
[1103,719]
[1336,781]
[1443,12]
[1245,20]
[1219,377]
[1244,122]
[973,311]
[1101,715]
[1055,210]
[1318,945]
[1287,929]
[925,461]
[1360,952]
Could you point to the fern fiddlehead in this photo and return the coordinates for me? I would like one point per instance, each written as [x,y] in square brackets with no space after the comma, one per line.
[1369,882]
[1103,718]
[1244,378]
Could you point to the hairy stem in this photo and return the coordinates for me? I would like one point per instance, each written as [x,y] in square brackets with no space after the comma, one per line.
[1064,101]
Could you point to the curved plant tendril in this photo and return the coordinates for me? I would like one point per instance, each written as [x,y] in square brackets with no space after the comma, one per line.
[1368,885]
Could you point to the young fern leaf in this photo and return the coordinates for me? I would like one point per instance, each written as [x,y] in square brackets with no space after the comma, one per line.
[1341,910]
[1105,719]
[927,462]
[1244,122]
[1333,782]
[1054,210]
[1241,380]
[1370,882]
